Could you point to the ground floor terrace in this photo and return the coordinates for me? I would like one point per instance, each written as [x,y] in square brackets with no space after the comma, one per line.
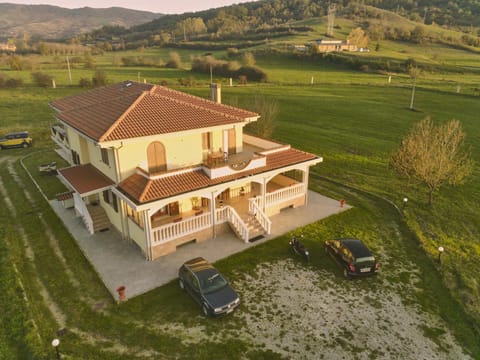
[244,207]
[120,262]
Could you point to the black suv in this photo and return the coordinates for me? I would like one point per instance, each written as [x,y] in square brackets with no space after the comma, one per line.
[353,256]
[207,287]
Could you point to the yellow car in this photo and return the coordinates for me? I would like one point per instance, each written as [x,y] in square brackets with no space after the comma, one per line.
[17,139]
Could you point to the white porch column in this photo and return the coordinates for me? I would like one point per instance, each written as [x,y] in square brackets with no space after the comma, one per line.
[264,193]
[148,233]
[213,210]
[306,174]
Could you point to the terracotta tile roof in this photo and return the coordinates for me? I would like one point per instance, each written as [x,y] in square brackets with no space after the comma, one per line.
[124,111]
[142,190]
[100,95]
[85,178]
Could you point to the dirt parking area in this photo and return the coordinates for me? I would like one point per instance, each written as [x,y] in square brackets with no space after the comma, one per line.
[302,313]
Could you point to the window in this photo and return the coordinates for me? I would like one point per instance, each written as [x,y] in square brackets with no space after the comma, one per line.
[75,158]
[110,198]
[114,202]
[135,216]
[206,141]
[104,153]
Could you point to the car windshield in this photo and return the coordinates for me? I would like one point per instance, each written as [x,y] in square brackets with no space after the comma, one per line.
[212,281]
[368,259]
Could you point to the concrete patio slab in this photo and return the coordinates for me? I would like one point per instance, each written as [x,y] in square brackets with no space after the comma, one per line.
[121,263]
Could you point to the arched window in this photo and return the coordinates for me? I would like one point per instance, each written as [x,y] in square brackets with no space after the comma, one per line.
[156,157]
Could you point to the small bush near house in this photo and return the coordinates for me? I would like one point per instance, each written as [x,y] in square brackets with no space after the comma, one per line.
[85,83]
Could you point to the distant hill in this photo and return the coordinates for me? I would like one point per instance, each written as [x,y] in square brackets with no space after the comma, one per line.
[53,22]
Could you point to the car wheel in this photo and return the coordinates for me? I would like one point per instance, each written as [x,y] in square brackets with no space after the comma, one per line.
[25,145]
[182,285]
[205,310]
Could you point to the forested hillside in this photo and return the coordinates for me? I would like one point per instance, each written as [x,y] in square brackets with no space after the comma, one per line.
[53,22]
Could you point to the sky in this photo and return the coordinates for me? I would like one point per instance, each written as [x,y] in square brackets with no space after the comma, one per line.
[157,6]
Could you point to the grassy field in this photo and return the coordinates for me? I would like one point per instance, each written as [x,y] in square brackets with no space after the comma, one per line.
[354,120]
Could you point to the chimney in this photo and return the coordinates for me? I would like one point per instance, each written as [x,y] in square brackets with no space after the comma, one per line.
[216,92]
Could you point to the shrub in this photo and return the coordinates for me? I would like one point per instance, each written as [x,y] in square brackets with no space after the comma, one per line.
[174,61]
[99,79]
[42,79]
[232,53]
[253,73]
[85,83]
[13,83]
[190,81]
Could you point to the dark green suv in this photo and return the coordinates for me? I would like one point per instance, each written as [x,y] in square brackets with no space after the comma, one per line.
[16,139]
[207,287]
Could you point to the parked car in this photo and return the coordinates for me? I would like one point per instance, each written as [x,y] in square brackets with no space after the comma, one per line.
[16,139]
[353,256]
[207,287]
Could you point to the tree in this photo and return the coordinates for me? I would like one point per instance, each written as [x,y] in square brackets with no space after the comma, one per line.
[100,78]
[268,110]
[174,60]
[248,59]
[418,35]
[434,155]
[357,37]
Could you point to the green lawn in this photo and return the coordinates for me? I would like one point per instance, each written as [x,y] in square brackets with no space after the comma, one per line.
[353,119]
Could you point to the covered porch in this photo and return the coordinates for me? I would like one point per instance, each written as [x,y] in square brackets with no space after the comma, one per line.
[241,208]
[87,183]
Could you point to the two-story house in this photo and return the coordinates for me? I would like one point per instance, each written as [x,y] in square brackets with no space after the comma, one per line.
[165,168]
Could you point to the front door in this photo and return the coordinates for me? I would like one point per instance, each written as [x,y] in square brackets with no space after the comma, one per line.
[173,208]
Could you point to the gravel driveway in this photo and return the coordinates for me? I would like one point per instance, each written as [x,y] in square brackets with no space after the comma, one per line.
[303,313]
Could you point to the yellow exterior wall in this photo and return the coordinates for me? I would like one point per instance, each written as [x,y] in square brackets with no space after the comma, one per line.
[181,151]
[95,156]
[114,217]
[138,235]
[84,153]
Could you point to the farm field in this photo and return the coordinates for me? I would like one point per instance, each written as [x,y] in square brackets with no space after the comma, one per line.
[354,120]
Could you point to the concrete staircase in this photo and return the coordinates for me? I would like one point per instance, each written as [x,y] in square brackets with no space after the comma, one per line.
[99,218]
[254,228]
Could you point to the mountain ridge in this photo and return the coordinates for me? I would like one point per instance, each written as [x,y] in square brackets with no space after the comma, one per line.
[55,22]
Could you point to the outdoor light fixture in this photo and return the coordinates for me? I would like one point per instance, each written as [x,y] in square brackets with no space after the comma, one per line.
[55,343]
[405,200]
[440,252]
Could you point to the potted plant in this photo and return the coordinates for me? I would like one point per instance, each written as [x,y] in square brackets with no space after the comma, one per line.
[195,202]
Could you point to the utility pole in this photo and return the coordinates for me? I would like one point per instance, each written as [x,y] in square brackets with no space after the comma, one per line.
[69,72]
[413,89]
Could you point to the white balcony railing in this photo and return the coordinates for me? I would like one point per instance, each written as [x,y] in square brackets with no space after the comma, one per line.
[175,230]
[172,231]
[82,210]
[228,214]
[262,218]
[284,194]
